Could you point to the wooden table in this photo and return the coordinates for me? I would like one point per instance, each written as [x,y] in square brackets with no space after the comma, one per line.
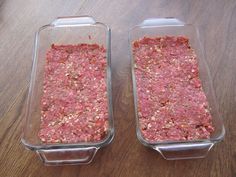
[125,157]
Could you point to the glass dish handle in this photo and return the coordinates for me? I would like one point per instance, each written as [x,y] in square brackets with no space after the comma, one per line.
[73,21]
[168,21]
[67,156]
[184,151]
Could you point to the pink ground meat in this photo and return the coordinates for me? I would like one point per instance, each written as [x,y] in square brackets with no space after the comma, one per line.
[74,105]
[171,101]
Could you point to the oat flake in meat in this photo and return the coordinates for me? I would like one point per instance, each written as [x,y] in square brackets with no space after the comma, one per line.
[171,101]
[74,105]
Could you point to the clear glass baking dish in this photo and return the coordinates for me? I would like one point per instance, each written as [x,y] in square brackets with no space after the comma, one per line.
[64,30]
[173,150]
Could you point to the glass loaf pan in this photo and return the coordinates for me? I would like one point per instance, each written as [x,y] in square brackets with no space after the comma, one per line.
[158,27]
[64,30]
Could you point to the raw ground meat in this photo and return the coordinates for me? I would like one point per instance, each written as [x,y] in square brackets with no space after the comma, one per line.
[171,101]
[74,104]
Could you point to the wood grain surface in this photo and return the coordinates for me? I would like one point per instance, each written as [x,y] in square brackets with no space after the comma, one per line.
[125,156]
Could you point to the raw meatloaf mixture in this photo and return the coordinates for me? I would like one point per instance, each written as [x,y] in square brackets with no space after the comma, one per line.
[171,102]
[74,103]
